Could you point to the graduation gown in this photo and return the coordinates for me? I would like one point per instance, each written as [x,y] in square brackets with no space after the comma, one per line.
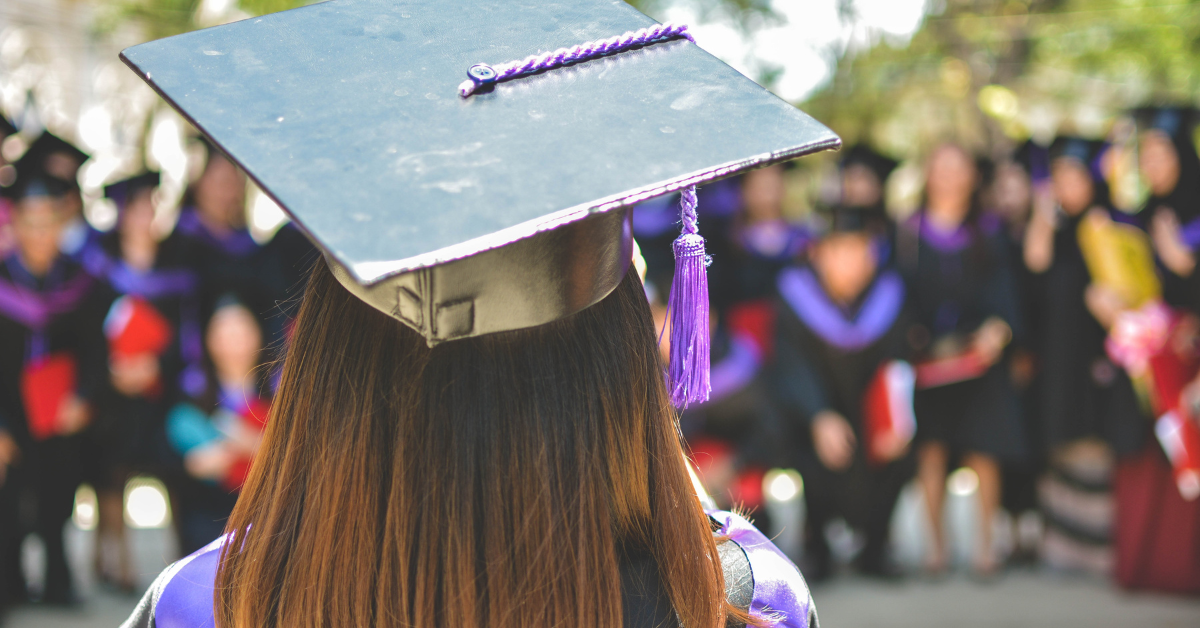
[127,430]
[1081,393]
[757,575]
[826,356]
[43,318]
[957,281]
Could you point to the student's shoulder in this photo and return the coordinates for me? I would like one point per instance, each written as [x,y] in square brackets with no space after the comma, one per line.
[778,590]
[182,595]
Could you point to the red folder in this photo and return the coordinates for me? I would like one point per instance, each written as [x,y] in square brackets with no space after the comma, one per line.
[888,410]
[952,369]
[133,327]
[1180,439]
[45,384]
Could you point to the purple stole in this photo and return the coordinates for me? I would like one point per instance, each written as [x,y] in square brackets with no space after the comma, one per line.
[236,244]
[807,299]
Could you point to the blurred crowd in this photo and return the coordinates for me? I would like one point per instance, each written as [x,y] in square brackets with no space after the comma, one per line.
[130,352]
[1016,324]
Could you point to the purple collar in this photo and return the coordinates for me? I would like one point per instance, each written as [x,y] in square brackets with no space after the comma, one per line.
[149,284]
[880,307]
[1191,234]
[775,240]
[187,599]
[779,590]
[34,307]
[736,370]
[237,243]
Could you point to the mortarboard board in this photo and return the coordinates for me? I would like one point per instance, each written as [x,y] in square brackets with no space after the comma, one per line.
[864,155]
[122,191]
[42,153]
[498,207]
[1176,122]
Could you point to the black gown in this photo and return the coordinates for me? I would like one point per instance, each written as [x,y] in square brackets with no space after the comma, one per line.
[127,433]
[825,359]
[1082,393]
[58,314]
[957,281]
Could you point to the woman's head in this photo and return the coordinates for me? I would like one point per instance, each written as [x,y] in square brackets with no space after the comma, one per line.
[1074,188]
[220,192]
[233,340]
[1159,162]
[951,180]
[491,481]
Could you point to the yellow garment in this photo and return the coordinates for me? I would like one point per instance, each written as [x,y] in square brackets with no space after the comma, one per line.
[1119,256]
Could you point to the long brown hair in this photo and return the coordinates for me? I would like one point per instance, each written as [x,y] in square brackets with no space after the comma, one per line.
[486,482]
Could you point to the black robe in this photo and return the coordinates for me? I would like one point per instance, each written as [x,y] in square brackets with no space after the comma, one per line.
[825,359]
[957,281]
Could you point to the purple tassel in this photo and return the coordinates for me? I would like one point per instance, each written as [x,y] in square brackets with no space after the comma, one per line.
[687,374]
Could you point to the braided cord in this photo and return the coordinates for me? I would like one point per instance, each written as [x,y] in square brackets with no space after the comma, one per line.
[482,74]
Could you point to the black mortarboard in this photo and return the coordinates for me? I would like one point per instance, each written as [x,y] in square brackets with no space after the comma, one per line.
[1083,150]
[41,155]
[122,191]
[1176,122]
[33,182]
[463,214]
[864,155]
[846,219]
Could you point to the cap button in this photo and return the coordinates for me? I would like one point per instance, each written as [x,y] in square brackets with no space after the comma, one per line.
[482,74]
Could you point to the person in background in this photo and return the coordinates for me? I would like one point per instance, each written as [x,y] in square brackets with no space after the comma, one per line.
[155,354]
[59,159]
[51,369]
[1009,197]
[8,174]
[216,435]
[964,299]
[1086,404]
[864,174]
[213,220]
[842,317]
[1157,529]
[764,241]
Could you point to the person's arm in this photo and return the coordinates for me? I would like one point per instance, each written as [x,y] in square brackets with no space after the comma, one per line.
[1038,249]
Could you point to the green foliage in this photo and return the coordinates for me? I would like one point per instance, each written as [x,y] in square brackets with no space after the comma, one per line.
[991,72]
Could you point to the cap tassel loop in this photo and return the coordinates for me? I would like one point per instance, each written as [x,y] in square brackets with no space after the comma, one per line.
[688,372]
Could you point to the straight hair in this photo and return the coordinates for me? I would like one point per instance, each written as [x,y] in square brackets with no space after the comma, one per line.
[489,482]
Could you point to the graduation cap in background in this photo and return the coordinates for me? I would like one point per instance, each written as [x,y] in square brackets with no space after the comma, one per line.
[846,219]
[864,155]
[1174,121]
[54,157]
[464,208]
[125,190]
[30,181]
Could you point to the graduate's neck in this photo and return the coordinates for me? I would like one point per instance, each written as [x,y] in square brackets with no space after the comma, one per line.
[946,214]
[138,250]
[37,265]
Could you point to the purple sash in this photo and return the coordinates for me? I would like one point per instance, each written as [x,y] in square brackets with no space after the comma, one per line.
[736,370]
[187,599]
[149,284]
[33,308]
[804,294]
[236,244]
[1191,234]
[780,592]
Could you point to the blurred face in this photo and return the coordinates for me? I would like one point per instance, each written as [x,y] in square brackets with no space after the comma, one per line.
[221,194]
[137,219]
[233,342]
[1073,185]
[951,180]
[1159,162]
[860,186]
[37,224]
[845,263]
[762,194]
[1012,192]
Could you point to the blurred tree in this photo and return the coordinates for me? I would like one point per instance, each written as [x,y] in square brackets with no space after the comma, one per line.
[991,72]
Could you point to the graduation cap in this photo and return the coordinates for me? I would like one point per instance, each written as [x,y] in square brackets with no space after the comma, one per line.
[125,190]
[497,203]
[1085,151]
[863,155]
[847,219]
[32,181]
[54,157]
[1176,122]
